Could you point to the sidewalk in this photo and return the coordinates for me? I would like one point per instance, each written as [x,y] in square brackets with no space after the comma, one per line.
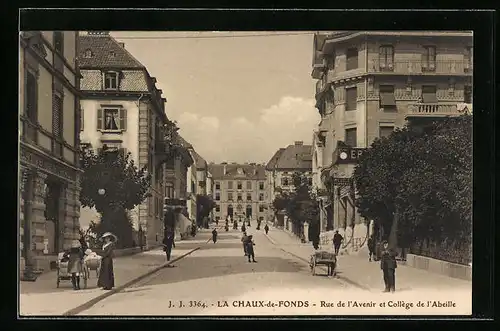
[357,269]
[44,298]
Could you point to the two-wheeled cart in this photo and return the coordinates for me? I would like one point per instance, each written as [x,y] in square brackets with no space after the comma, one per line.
[326,258]
[63,273]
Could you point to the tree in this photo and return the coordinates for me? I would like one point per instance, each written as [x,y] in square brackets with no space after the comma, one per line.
[205,204]
[423,175]
[112,184]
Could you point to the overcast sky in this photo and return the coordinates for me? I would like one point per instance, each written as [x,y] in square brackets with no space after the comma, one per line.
[236,99]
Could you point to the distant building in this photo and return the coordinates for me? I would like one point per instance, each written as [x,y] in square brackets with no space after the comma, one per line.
[239,190]
[282,165]
[122,108]
[49,173]
[370,82]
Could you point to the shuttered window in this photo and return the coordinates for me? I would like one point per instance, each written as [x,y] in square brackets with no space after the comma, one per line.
[112,119]
[352,59]
[386,57]
[429,58]
[351,137]
[351,95]
[81,119]
[429,94]
[387,99]
[31,97]
[468,94]
[57,115]
[385,130]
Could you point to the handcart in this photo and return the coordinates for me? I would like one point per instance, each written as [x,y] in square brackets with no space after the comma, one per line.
[92,261]
[324,258]
[63,272]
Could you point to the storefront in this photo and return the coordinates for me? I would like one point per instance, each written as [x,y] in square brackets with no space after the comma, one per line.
[49,207]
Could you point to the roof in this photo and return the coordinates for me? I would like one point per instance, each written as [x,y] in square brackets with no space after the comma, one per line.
[106,53]
[272,162]
[295,156]
[200,162]
[248,171]
[183,142]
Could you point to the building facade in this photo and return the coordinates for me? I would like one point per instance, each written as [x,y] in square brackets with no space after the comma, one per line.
[239,191]
[49,141]
[370,82]
[123,109]
[280,168]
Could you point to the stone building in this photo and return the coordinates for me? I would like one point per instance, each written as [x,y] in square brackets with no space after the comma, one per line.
[123,109]
[239,190]
[48,138]
[281,166]
[370,82]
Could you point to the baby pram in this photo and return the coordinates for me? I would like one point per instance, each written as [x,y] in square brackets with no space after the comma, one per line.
[63,272]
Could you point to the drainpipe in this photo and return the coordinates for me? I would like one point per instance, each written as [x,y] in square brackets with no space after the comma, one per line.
[366,93]
[139,207]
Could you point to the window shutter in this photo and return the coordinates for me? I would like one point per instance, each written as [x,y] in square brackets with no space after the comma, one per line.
[99,119]
[424,60]
[81,119]
[123,119]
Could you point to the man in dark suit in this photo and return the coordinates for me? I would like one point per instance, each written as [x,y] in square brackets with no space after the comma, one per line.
[388,265]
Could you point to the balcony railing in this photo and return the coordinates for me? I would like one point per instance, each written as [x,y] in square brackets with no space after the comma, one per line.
[433,110]
[450,67]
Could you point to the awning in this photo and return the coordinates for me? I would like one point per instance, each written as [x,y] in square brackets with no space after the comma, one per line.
[387,99]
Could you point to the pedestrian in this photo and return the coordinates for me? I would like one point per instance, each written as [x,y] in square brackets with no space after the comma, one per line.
[106,275]
[266,228]
[75,263]
[249,248]
[337,240]
[243,241]
[217,222]
[243,228]
[235,225]
[227,227]
[388,265]
[168,242]
[214,235]
[371,248]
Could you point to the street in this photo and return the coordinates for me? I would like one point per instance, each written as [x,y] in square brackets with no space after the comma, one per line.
[219,274]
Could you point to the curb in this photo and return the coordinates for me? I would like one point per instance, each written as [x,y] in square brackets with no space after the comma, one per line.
[92,302]
[345,279]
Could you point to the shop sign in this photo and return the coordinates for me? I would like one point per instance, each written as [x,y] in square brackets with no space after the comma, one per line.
[347,155]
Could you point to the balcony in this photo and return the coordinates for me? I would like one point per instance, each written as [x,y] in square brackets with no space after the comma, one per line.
[450,67]
[433,110]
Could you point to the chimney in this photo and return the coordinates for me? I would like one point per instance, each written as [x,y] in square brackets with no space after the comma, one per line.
[299,143]
[225,169]
[122,45]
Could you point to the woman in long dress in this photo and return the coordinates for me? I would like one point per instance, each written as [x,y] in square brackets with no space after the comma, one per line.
[106,274]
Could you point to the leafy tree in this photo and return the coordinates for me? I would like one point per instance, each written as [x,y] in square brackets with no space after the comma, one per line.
[423,175]
[121,226]
[205,204]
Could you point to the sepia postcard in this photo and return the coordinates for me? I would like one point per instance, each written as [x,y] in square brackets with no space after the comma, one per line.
[266,173]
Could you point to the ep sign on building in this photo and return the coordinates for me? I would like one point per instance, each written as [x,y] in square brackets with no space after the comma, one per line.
[348,155]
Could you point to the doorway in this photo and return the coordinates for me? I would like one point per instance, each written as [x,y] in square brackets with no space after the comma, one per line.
[52,222]
[230,211]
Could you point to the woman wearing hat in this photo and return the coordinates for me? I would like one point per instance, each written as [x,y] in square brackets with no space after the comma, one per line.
[75,266]
[106,275]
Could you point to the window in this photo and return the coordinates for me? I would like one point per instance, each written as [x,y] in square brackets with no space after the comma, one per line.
[249,197]
[385,130]
[351,96]
[429,94]
[240,186]
[230,196]
[352,59]
[88,54]
[59,41]
[284,181]
[217,208]
[31,104]
[468,94]
[387,99]
[386,58]
[240,197]
[112,119]
[468,59]
[429,58]
[111,81]
[261,185]
[261,196]
[217,196]
[169,190]
[350,137]
[217,186]
[57,123]
[249,185]
[261,209]
[230,185]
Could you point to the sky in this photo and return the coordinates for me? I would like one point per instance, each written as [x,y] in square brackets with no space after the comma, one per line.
[236,96]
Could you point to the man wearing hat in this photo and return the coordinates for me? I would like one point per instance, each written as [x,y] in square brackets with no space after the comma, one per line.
[75,261]
[106,275]
[388,265]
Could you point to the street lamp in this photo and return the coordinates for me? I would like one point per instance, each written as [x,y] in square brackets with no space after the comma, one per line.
[101,191]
